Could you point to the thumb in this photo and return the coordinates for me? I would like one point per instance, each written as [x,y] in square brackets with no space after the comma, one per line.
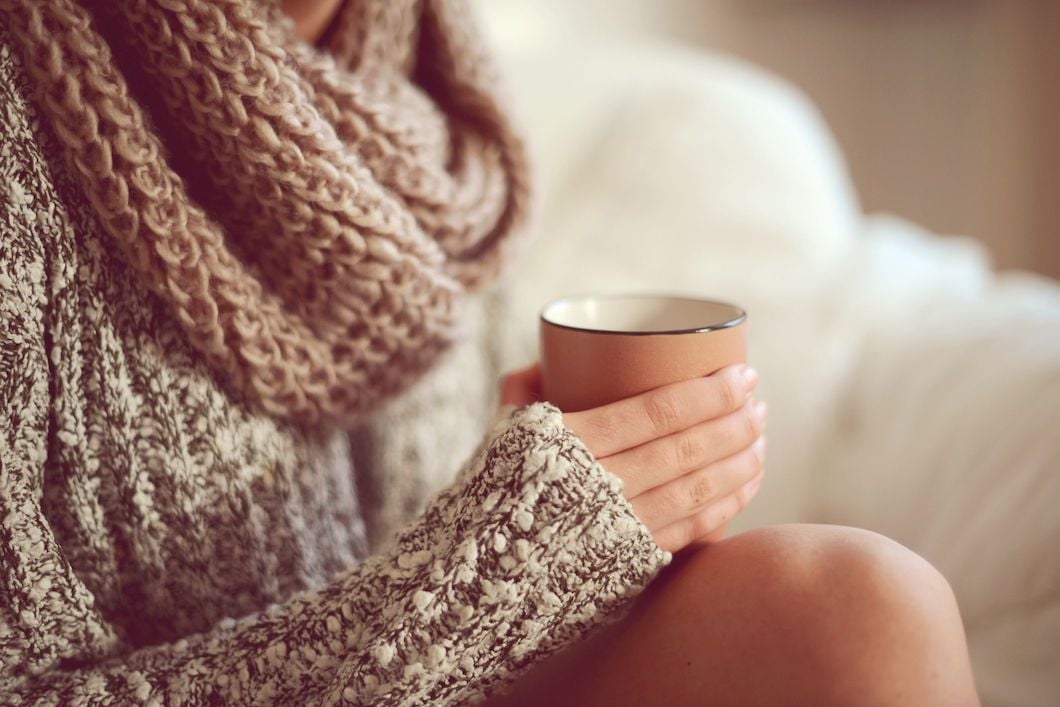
[522,387]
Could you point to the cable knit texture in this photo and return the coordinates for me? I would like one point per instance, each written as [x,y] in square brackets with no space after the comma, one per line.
[164,540]
[312,216]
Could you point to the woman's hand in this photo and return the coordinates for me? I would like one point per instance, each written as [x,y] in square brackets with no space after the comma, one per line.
[689,454]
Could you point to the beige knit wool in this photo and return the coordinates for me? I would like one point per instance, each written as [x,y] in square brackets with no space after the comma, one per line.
[312,215]
[162,543]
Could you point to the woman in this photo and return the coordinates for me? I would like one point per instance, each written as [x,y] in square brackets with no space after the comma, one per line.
[231,229]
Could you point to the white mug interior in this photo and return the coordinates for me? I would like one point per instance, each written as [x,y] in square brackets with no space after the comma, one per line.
[641,314]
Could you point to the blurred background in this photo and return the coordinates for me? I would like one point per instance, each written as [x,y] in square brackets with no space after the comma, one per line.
[873,181]
[945,110]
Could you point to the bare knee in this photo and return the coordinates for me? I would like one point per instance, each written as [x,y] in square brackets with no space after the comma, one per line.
[856,613]
[839,569]
[794,615]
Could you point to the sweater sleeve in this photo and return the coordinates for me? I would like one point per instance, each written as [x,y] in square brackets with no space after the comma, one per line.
[529,548]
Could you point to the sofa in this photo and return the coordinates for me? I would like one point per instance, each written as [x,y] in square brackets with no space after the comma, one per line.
[914,391]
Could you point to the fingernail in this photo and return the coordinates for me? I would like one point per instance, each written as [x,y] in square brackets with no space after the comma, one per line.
[750,375]
[761,409]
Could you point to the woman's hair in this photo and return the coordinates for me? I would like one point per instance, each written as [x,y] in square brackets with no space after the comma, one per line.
[313,216]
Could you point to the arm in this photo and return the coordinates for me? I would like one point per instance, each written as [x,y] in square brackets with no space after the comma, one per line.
[533,545]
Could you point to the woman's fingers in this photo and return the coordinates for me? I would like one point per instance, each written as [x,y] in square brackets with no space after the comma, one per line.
[690,454]
[701,524]
[629,423]
[686,496]
[662,460]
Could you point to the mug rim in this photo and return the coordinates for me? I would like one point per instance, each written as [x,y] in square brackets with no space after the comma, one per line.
[740,317]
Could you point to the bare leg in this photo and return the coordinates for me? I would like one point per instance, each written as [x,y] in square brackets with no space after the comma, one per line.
[791,615]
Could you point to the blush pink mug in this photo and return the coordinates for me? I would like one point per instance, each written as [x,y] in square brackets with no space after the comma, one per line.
[598,349]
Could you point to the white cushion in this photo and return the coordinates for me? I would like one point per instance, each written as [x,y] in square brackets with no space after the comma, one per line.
[912,392]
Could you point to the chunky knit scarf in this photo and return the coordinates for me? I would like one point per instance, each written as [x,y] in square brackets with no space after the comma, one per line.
[313,216]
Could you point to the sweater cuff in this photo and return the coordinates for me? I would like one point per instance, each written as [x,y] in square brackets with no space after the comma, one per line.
[532,547]
[560,528]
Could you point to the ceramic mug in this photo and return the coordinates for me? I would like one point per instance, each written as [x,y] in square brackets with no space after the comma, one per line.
[598,349]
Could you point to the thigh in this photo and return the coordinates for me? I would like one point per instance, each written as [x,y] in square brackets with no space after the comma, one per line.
[790,615]
[677,641]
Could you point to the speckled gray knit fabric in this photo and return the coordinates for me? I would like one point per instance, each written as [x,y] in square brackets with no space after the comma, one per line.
[163,543]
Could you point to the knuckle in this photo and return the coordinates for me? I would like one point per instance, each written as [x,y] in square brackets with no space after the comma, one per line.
[730,393]
[700,489]
[689,450]
[663,412]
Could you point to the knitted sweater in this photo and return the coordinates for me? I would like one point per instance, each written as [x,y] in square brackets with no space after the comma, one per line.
[163,541]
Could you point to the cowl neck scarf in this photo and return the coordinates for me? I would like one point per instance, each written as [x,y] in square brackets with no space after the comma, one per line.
[314,216]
